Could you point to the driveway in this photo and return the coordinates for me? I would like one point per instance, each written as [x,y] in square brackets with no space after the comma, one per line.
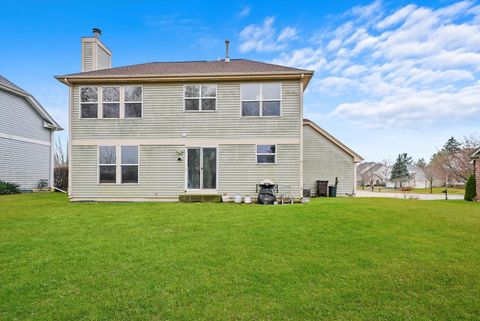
[409,195]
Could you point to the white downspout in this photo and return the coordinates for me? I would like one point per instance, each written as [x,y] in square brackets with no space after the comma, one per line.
[301,135]
[52,162]
[70,129]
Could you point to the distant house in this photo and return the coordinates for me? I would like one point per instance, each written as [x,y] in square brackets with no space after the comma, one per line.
[476,165]
[157,131]
[26,138]
[369,172]
[417,178]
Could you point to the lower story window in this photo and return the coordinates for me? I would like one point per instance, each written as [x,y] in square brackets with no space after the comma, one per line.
[118,164]
[129,164]
[107,166]
[266,154]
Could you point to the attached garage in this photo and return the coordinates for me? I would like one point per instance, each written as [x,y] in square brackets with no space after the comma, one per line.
[325,158]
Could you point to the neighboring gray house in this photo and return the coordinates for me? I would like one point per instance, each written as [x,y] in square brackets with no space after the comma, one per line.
[326,158]
[154,131]
[26,138]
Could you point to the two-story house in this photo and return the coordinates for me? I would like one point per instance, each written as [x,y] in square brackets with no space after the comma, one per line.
[26,138]
[154,131]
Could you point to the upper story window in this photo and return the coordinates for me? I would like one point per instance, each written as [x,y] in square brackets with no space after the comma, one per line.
[266,154]
[111,102]
[89,102]
[200,97]
[116,102]
[133,101]
[261,99]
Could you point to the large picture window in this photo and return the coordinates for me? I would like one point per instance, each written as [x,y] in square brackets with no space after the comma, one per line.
[133,101]
[107,165]
[266,154]
[89,102]
[129,164]
[200,97]
[261,100]
[111,102]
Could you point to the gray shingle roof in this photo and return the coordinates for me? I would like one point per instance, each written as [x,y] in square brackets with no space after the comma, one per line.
[7,83]
[234,67]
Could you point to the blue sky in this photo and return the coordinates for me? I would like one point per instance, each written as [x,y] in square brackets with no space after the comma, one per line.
[391,76]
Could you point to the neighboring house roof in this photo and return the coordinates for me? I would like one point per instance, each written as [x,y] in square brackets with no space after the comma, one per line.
[476,154]
[11,87]
[356,158]
[190,69]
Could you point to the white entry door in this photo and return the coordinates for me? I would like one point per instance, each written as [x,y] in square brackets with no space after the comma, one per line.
[201,171]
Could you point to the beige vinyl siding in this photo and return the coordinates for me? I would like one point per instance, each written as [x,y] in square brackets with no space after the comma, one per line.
[161,175]
[24,163]
[87,56]
[163,116]
[103,58]
[239,172]
[18,117]
[323,160]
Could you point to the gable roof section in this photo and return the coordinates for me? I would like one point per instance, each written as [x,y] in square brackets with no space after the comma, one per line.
[356,158]
[235,69]
[11,87]
[476,154]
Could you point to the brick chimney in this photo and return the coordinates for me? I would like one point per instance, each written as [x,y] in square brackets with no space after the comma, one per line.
[95,55]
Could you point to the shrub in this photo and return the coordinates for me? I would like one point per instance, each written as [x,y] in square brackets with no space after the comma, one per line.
[406,189]
[470,189]
[60,177]
[7,188]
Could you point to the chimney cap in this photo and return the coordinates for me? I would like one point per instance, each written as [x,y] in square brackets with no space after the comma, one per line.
[97,32]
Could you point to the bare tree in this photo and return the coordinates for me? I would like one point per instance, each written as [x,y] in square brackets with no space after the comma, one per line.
[60,172]
[456,162]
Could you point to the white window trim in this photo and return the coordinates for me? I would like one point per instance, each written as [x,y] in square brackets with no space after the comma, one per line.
[119,102]
[118,164]
[261,99]
[89,102]
[100,102]
[199,98]
[98,164]
[260,154]
[137,164]
[122,106]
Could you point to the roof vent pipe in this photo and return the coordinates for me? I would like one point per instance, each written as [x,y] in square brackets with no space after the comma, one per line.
[227,47]
[96,32]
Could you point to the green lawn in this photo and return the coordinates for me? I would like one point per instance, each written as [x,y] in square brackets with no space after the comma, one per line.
[331,259]
[436,190]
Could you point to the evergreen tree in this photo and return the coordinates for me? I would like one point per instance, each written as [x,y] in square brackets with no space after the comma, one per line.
[452,146]
[470,189]
[400,170]
[421,163]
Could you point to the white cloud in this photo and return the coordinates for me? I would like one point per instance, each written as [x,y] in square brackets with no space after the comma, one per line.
[244,12]
[414,64]
[287,34]
[264,38]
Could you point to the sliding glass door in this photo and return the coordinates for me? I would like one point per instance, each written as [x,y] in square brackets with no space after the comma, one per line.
[201,168]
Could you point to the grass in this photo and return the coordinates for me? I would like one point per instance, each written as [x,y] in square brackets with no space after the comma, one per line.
[331,259]
[436,190]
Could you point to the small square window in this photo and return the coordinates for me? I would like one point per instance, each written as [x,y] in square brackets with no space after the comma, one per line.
[250,108]
[133,110]
[89,110]
[111,110]
[271,108]
[266,154]
[192,104]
